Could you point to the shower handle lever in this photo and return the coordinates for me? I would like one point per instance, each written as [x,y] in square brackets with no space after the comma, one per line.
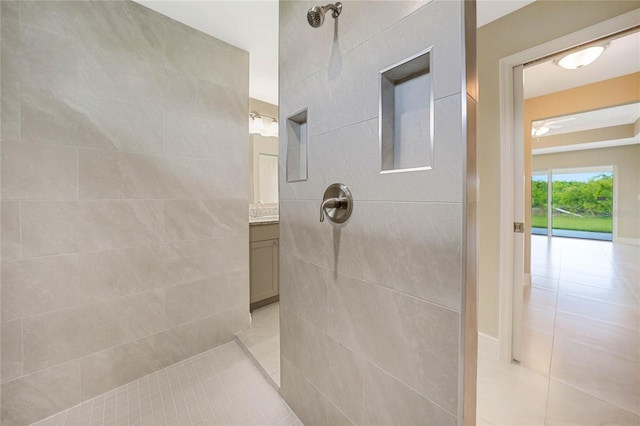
[337,203]
[333,203]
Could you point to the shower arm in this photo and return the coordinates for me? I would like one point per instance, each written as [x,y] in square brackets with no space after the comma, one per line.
[332,203]
[334,8]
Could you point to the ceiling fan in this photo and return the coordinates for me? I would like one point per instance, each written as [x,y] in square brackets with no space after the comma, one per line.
[542,127]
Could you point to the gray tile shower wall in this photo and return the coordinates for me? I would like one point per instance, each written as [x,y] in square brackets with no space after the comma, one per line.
[376,314]
[124,231]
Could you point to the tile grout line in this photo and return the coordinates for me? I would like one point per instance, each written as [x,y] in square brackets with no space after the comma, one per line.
[553,336]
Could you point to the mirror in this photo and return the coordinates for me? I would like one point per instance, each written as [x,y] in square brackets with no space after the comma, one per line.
[263,158]
[264,171]
[267,179]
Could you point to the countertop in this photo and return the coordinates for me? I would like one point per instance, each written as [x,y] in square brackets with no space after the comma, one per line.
[264,220]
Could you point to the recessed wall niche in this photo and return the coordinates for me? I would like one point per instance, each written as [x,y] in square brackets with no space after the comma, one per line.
[297,138]
[406,115]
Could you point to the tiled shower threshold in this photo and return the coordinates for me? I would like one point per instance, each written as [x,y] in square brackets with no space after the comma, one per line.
[262,341]
[219,387]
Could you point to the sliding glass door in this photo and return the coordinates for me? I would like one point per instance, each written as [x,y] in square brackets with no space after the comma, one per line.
[577,204]
[540,203]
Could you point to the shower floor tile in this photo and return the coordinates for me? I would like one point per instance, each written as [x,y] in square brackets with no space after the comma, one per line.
[219,387]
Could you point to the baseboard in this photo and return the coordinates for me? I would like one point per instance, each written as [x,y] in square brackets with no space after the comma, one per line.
[631,241]
[488,345]
[264,302]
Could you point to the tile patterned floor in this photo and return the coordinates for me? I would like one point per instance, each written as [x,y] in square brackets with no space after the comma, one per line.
[581,341]
[219,387]
[262,340]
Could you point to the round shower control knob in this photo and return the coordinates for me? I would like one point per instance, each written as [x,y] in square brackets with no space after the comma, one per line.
[337,203]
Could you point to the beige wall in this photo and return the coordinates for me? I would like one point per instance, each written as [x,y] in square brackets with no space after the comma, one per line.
[124,216]
[626,160]
[530,26]
[373,311]
[616,91]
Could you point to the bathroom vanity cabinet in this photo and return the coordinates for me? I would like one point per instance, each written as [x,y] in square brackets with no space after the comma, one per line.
[264,250]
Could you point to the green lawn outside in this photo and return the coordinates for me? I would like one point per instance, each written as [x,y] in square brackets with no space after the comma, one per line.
[573,223]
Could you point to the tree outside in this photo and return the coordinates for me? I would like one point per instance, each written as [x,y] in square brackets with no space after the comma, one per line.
[579,203]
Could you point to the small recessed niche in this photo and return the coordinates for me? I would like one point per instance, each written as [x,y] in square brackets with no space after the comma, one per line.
[297,138]
[406,115]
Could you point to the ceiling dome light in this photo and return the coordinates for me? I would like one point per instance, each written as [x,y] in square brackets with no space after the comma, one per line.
[539,131]
[581,58]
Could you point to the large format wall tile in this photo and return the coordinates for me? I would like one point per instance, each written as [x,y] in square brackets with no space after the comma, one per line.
[119,365]
[380,295]
[220,328]
[39,58]
[359,164]
[38,172]
[156,177]
[210,137]
[221,102]
[56,337]
[69,227]
[419,31]
[35,286]
[200,299]
[303,235]
[41,394]
[10,10]
[303,289]
[333,368]
[190,261]
[180,94]
[107,26]
[68,119]
[297,60]
[388,401]
[202,58]
[10,229]
[365,20]
[124,79]
[409,338]
[124,215]
[197,219]
[113,273]
[11,351]
[311,406]
[10,103]
[415,248]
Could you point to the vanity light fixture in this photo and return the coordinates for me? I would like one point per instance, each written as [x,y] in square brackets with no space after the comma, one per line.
[263,125]
[582,57]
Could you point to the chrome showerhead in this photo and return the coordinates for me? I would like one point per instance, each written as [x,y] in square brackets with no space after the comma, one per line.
[315,15]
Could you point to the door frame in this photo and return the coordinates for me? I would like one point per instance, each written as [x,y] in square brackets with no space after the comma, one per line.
[507,145]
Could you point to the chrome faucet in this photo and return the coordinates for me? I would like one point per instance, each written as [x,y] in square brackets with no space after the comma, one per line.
[332,203]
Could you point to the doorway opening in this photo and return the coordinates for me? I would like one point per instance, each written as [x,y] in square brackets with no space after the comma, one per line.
[519,145]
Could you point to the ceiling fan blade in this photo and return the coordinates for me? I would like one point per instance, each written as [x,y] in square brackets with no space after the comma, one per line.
[560,120]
